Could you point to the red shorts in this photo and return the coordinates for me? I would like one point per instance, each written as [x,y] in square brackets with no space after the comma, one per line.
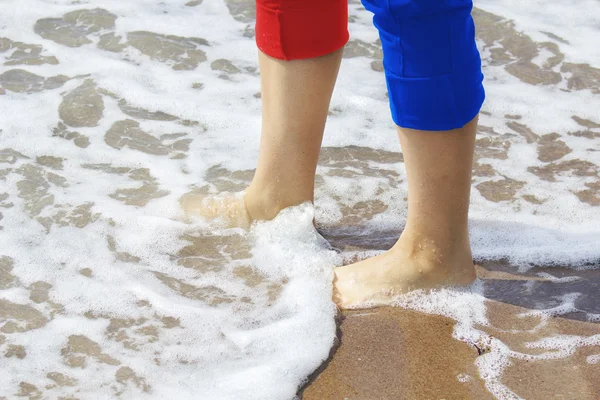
[297,29]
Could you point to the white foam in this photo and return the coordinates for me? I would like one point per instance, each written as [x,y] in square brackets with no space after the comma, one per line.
[566,306]
[255,349]
[593,359]
[560,346]
[552,278]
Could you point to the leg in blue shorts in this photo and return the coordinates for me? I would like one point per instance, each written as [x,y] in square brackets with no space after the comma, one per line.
[433,73]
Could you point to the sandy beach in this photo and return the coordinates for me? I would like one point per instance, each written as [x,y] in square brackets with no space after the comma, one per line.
[111,111]
[391,353]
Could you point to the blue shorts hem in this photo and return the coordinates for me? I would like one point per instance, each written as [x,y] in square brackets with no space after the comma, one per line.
[435,104]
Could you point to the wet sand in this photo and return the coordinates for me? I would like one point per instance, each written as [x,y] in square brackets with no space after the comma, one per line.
[390,353]
[393,353]
[110,114]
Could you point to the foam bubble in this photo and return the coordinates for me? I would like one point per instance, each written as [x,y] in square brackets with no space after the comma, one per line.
[593,359]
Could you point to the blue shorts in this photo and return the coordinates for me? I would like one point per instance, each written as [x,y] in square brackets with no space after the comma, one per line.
[432,65]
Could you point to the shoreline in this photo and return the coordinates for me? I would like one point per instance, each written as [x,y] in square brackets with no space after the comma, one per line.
[395,353]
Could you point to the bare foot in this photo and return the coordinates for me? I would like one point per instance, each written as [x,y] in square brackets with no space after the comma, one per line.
[228,208]
[234,209]
[409,265]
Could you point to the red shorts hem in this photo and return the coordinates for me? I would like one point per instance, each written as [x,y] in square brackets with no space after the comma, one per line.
[291,30]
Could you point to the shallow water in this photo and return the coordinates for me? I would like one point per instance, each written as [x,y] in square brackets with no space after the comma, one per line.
[110,111]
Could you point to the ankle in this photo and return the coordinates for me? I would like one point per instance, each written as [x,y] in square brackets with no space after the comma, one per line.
[435,250]
[259,205]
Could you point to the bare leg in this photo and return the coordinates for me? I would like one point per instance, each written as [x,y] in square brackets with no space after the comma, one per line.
[295,96]
[434,248]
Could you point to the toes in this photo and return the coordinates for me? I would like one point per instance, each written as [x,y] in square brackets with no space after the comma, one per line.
[336,295]
[341,298]
[337,300]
